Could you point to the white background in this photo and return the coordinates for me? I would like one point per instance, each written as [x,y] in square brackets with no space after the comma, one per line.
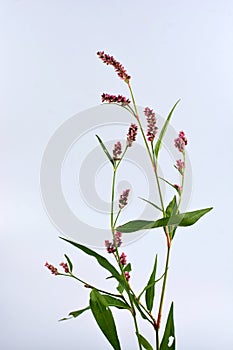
[49,72]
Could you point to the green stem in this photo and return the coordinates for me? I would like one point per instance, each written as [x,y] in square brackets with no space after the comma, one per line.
[117,256]
[112,200]
[182,183]
[164,284]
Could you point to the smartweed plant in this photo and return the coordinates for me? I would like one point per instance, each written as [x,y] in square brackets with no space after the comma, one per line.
[124,297]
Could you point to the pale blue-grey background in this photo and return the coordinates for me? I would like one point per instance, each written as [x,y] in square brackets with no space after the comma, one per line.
[49,72]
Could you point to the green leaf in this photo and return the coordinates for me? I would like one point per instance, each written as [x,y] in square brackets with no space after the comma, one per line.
[154,205]
[69,262]
[127,268]
[150,291]
[169,183]
[111,301]
[169,333]
[144,342]
[101,260]
[172,210]
[184,219]
[133,226]
[74,314]
[104,318]
[150,285]
[163,131]
[105,150]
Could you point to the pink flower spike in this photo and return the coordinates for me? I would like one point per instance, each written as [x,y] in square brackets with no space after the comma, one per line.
[115,99]
[151,124]
[180,166]
[132,133]
[118,240]
[127,276]
[123,201]
[52,268]
[110,247]
[183,137]
[65,267]
[110,60]
[123,259]
[117,150]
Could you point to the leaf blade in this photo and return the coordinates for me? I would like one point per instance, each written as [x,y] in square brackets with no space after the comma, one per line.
[69,263]
[105,150]
[75,314]
[104,318]
[163,131]
[111,301]
[150,291]
[151,203]
[184,219]
[169,332]
[144,342]
[101,260]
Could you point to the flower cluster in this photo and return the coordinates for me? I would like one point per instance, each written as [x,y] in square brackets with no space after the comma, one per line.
[117,150]
[132,133]
[52,268]
[178,188]
[181,141]
[110,60]
[111,246]
[123,200]
[127,275]
[65,267]
[151,124]
[115,99]
[180,166]
[123,259]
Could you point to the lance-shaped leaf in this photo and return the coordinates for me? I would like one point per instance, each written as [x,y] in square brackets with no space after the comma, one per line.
[169,340]
[105,150]
[170,184]
[76,313]
[101,260]
[163,131]
[171,210]
[150,291]
[151,203]
[104,318]
[185,219]
[112,301]
[69,263]
[144,342]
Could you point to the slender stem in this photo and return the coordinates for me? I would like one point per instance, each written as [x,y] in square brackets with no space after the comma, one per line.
[117,256]
[182,182]
[164,284]
[87,285]
[157,180]
[157,338]
[112,200]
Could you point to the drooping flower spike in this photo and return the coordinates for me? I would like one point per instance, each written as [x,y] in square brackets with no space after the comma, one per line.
[53,269]
[151,124]
[115,99]
[123,201]
[111,246]
[117,150]
[110,60]
[132,133]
